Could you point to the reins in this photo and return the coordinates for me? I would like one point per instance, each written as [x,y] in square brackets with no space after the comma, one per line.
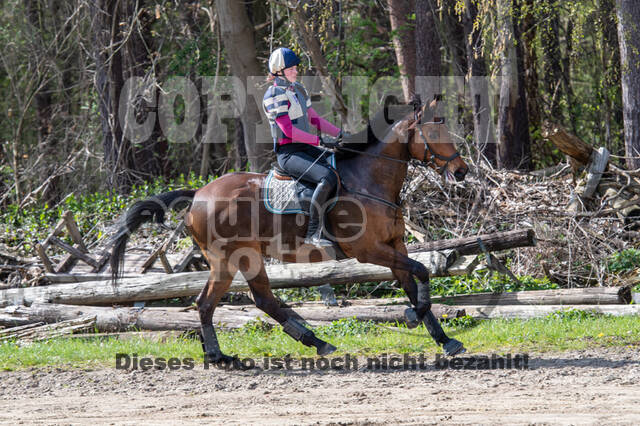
[424,163]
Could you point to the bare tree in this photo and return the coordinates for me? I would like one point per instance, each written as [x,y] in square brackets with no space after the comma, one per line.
[404,43]
[428,44]
[319,61]
[121,50]
[629,37]
[238,39]
[483,133]
[513,124]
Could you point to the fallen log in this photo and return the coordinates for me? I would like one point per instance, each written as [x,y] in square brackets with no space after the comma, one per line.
[469,245]
[225,317]
[537,311]
[567,142]
[569,296]
[184,284]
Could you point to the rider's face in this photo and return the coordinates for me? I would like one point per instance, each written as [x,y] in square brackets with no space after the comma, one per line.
[291,73]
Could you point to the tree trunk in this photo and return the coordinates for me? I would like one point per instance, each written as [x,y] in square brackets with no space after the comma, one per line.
[428,44]
[513,124]
[611,65]
[108,38]
[551,67]
[44,103]
[404,43]
[629,38]
[529,29]
[483,135]
[310,39]
[238,39]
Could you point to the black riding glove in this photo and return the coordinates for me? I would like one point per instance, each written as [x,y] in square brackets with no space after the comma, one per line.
[331,143]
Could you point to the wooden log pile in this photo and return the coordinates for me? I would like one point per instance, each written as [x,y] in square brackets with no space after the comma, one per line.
[37,331]
[154,287]
[602,187]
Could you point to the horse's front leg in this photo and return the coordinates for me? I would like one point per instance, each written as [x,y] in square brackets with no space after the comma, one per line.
[404,269]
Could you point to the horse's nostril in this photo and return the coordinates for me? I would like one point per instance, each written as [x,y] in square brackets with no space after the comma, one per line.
[460,174]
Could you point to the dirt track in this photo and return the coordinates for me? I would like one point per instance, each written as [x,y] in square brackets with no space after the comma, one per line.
[596,386]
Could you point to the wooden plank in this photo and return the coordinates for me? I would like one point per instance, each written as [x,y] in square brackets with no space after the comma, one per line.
[48,331]
[74,231]
[191,283]
[84,277]
[48,266]
[12,330]
[56,231]
[74,251]
[162,250]
[165,263]
[67,262]
[184,263]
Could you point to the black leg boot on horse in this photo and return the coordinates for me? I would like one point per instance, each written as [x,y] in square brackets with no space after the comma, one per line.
[317,217]
[422,313]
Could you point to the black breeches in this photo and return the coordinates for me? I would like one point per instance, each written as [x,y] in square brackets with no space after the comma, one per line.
[303,163]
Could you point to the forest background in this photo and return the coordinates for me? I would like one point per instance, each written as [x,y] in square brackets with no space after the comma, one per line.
[66,68]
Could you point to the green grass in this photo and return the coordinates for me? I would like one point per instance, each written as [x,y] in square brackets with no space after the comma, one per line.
[564,331]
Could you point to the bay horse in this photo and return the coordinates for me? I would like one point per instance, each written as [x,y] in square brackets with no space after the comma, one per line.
[230,223]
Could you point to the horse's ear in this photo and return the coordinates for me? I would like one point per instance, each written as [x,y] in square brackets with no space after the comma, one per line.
[429,109]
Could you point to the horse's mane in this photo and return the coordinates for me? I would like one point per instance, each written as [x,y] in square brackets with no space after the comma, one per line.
[377,127]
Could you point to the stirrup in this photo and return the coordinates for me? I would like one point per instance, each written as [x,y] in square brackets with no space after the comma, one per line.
[318,240]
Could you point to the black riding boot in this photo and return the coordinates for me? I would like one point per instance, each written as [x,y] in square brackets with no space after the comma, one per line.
[316,215]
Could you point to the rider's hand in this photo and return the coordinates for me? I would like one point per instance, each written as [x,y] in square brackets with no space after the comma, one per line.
[330,143]
[343,135]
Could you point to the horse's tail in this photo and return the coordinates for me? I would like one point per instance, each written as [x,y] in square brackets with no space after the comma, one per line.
[143,211]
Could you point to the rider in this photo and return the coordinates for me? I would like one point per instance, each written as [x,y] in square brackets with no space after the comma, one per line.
[288,108]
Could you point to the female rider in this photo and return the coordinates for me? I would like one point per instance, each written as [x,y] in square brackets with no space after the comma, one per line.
[288,108]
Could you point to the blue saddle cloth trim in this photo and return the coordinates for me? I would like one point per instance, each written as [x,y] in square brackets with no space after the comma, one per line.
[266,194]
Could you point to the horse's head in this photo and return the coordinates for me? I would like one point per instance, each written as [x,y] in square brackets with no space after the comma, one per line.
[430,142]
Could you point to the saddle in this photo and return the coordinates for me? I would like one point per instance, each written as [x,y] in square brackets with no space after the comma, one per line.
[285,194]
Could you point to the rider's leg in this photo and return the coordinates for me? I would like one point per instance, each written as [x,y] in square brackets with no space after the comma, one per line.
[316,214]
[306,165]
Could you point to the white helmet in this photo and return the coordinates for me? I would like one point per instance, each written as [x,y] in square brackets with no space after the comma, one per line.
[282,58]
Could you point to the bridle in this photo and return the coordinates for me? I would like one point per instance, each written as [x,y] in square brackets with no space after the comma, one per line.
[428,150]
[425,162]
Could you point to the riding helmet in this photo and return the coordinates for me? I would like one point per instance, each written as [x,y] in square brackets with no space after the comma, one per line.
[282,58]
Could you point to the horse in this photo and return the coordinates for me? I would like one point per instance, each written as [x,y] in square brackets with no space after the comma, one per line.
[234,230]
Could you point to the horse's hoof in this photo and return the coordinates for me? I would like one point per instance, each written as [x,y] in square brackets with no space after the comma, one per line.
[221,359]
[325,349]
[411,318]
[453,347]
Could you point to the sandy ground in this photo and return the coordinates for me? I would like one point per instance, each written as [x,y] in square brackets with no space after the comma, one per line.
[585,387]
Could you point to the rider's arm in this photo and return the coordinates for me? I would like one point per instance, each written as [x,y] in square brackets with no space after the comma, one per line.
[295,134]
[322,124]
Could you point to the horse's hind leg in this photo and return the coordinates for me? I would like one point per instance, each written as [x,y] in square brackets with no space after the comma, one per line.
[256,276]
[217,285]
